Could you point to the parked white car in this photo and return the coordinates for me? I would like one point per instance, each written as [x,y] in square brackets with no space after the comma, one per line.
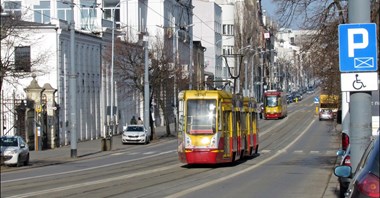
[136,134]
[14,151]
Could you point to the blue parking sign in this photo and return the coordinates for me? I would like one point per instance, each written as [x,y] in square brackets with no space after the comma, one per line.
[316,100]
[357,47]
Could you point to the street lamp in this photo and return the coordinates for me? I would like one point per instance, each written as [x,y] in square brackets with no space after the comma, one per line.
[72,87]
[146,83]
[175,58]
[246,69]
[112,125]
[176,54]
[223,39]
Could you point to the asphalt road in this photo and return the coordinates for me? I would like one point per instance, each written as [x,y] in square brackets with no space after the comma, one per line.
[295,160]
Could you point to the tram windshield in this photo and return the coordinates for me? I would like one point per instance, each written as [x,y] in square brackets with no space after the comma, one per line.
[271,101]
[201,116]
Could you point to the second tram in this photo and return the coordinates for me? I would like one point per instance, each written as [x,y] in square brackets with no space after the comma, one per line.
[275,104]
[216,127]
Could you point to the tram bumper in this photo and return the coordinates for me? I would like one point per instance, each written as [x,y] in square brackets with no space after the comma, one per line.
[204,156]
[272,115]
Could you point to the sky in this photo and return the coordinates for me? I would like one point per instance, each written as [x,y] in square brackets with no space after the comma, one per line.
[271,10]
[269,7]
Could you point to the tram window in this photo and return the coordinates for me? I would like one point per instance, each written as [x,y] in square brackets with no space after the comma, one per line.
[180,115]
[243,121]
[220,118]
[271,101]
[201,116]
[225,120]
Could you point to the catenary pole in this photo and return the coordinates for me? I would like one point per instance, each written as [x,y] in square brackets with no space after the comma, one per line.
[146,83]
[360,102]
[72,86]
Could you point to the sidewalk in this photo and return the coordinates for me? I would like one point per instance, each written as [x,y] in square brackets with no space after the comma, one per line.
[87,149]
[332,188]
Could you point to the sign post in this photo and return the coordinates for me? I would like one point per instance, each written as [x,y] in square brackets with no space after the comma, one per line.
[357,54]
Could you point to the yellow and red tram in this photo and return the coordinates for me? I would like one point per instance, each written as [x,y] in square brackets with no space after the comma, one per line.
[216,127]
[275,104]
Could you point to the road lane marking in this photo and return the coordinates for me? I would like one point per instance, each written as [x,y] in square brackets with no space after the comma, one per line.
[331,152]
[91,168]
[115,154]
[102,181]
[199,187]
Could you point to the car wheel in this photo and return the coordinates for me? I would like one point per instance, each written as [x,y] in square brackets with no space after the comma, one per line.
[26,162]
[18,164]
[146,140]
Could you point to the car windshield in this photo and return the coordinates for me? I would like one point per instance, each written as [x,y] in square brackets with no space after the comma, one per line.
[8,141]
[135,128]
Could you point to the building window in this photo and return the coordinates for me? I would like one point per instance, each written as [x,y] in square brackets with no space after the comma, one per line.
[22,58]
[88,14]
[228,49]
[228,29]
[42,12]
[108,15]
[88,17]
[292,40]
[13,7]
[64,11]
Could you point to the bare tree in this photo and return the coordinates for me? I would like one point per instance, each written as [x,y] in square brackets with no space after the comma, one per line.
[247,36]
[323,17]
[129,70]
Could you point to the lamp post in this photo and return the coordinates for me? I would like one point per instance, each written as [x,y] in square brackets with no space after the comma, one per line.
[223,39]
[175,59]
[72,87]
[146,83]
[112,124]
[245,72]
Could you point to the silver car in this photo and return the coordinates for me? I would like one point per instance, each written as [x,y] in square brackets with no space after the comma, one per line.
[136,134]
[326,114]
[14,151]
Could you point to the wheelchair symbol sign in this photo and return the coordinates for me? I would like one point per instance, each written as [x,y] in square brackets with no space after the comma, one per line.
[363,81]
[358,84]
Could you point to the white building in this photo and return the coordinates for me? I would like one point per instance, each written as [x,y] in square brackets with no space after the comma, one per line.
[52,44]
[49,38]
[169,19]
[288,47]
[208,29]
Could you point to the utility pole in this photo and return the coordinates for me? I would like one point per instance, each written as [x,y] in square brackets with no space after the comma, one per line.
[191,48]
[146,83]
[72,86]
[262,76]
[360,102]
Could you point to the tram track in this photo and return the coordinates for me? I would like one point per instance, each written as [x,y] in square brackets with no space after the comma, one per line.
[162,175]
[283,132]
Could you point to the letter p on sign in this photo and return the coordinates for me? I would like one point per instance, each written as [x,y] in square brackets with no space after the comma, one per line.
[352,45]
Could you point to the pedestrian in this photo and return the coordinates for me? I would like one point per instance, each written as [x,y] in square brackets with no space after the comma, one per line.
[139,121]
[133,120]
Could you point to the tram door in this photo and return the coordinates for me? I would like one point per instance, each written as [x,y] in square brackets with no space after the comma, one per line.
[226,133]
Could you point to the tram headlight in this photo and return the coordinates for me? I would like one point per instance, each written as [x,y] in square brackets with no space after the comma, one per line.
[213,141]
[188,142]
[205,141]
